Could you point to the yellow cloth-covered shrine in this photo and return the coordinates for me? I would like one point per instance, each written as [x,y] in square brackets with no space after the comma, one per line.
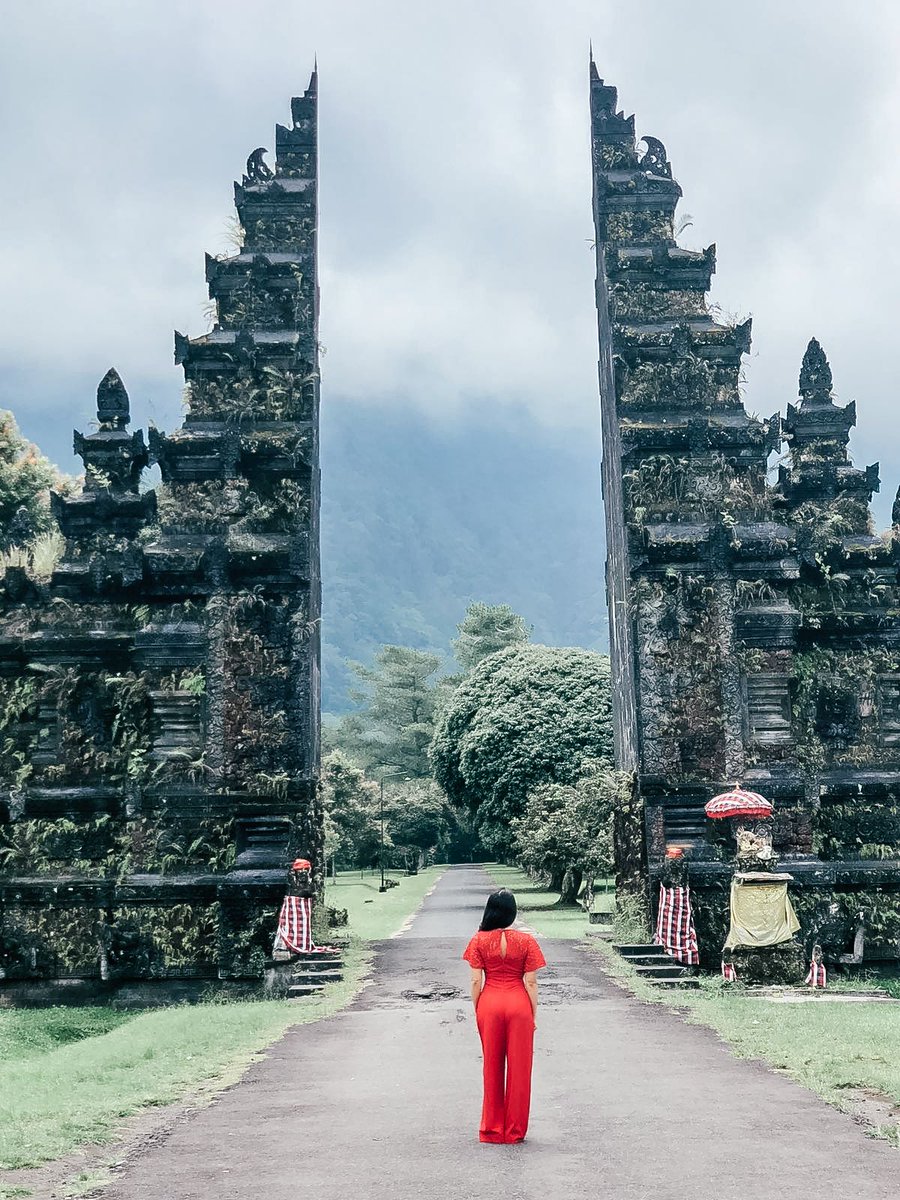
[761,911]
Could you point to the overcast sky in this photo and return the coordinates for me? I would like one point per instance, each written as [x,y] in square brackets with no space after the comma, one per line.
[455,257]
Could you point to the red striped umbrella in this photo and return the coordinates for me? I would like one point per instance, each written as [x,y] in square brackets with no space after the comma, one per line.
[738,803]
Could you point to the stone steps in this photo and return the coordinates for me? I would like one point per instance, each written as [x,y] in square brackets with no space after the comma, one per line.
[297,991]
[304,974]
[652,963]
[311,972]
[319,978]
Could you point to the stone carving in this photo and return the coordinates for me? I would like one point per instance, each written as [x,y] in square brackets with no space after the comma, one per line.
[258,170]
[815,376]
[113,410]
[655,160]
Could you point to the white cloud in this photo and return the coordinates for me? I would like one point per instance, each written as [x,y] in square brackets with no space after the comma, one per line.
[455,185]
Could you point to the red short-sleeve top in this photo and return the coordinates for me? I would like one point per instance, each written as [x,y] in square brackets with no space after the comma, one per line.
[522,954]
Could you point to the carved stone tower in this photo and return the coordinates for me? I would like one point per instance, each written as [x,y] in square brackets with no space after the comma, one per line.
[241,493]
[160,694]
[731,621]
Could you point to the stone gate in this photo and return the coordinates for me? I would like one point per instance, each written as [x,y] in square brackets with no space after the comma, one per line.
[160,694]
[754,626]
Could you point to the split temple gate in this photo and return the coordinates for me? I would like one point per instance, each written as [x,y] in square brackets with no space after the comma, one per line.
[755,628]
[160,695]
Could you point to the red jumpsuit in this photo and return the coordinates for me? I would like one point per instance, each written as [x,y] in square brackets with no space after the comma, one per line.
[506,1025]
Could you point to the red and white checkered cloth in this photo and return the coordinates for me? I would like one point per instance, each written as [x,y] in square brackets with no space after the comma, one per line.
[675,926]
[818,976]
[729,974]
[295,926]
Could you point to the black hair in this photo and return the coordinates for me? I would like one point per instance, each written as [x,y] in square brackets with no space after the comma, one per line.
[500,911]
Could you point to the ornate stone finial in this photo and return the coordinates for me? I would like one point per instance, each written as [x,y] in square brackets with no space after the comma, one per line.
[258,170]
[594,73]
[815,377]
[895,511]
[655,161]
[113,408]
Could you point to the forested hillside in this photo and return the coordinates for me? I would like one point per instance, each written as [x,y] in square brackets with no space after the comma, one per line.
[419,518]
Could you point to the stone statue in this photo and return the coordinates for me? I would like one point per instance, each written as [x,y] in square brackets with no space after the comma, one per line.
[258,170]
[656,161]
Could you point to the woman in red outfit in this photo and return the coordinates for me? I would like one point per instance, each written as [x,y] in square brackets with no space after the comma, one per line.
[504,966]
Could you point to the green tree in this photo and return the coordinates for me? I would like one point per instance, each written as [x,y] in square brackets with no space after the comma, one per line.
[352,813]
[422,822]
[26,477]
[395,723]
[525,716]
[565,832]
[485,629]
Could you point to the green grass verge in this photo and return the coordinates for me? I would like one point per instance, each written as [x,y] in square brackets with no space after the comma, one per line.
[829,1048]
[540,908]
[28,1032]
[374,915]
[57,1093]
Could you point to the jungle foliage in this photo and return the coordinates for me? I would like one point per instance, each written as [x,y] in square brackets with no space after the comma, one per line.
[26,477]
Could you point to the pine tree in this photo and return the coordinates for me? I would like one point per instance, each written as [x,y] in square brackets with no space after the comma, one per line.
[486,629]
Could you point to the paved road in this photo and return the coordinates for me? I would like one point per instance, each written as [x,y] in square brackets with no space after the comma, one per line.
[629,1103]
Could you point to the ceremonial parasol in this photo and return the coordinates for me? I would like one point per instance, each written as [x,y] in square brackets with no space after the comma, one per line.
[738,803]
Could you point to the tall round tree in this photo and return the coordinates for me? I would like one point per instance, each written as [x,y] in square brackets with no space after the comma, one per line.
[524,716]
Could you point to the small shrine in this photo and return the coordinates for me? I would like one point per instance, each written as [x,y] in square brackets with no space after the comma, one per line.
[761,945]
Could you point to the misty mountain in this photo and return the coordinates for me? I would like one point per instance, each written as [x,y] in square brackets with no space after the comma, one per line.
[420,517]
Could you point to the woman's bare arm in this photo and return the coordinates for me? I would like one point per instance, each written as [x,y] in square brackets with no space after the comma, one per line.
[531,987]
[477,984]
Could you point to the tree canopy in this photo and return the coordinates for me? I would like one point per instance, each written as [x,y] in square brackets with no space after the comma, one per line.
[351,803]
[525,716]
[485,629]
[565,832]
[422,822]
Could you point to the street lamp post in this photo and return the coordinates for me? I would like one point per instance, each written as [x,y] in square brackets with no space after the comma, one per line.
[390,775]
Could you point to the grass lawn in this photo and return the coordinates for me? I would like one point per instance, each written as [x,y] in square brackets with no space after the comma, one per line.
[69,1076]
[538,908]
[30,1032]
[828,1047]
[373,914]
